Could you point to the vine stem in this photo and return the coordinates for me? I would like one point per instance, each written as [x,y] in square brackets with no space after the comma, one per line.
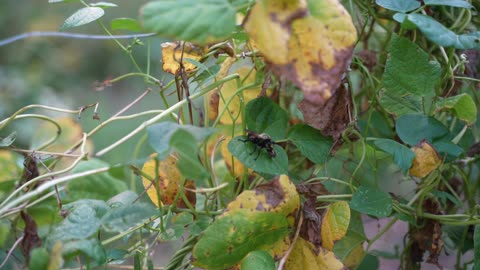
[166,112]
[18,37]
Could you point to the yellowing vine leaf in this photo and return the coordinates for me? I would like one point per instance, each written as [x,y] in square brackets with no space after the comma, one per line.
[308,42]
[277,196]
[335,223]
[172,54]
[8,165]
[230,103]
[305,257]
[426,159]
[213,97]
[169,178]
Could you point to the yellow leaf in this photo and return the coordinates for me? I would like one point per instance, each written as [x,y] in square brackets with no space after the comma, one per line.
[213,98]
[311,43]
[335,223]
[304,257]
[426,159]
[230,103]
[172,54]
[355,257]
[279,195]
[169,178]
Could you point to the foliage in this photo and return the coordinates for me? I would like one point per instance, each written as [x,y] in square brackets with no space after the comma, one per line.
[284,126]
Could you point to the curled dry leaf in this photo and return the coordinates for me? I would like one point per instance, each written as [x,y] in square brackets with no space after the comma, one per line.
[308,42]
[426,159]
[333,117]
[213,97]
[172,54]
[305,256]
[169,179]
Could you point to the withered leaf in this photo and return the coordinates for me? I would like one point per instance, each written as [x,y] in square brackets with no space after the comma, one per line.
[332,117]
[31,239]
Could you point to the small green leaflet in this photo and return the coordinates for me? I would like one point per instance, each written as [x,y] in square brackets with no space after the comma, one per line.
[83,16]
[402,155]
[372,201]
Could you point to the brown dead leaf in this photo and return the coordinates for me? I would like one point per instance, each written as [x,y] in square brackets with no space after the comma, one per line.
[331,118]
[31,239]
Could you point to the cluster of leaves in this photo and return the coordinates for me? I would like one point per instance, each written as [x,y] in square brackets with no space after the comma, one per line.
[338,112]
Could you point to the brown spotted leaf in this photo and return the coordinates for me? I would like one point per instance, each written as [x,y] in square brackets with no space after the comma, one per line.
[279,195]
[174,52]
[169,178]
[426,159]
[308,42]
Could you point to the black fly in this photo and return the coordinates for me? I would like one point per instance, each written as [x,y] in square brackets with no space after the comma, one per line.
[260,141]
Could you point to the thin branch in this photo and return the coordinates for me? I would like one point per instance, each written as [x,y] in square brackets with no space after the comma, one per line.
[26,35]
[10,251]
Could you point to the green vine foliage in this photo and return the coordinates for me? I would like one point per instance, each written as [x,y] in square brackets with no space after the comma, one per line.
[401,147]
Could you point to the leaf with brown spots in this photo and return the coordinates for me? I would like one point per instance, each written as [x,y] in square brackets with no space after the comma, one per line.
[230,238]
[279,196]
[174,54]
[308,42]
[168,181]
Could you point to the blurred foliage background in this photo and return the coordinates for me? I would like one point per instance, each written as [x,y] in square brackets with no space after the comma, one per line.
[64,72]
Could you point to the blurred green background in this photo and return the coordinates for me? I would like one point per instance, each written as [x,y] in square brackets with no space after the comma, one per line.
[63,72]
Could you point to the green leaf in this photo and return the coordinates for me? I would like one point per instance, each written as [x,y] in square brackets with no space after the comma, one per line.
[439,34]
[310,142]
[100,186]
[400,6]
[408,69]
[82,222]
[103,4]
[476,246]
[89,247]
[121,218]
[125,198]
[39,259]
[7,141]
[444,196]
[450,3]
[258,259]
[463,107]
[412,128]
[401,103]
[258,159]
[371,201]
[159,136]
[265,116]
[230,238]
[125,24]
[198,21]
[402,155]
[449,148]
[369,262]
[345,246]
[188,163]
[83,16]
[460,236]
